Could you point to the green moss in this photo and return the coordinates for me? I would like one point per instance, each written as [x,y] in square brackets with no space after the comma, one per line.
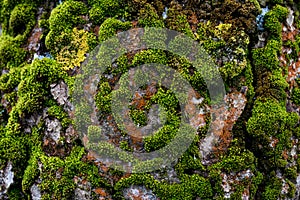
[180,24]
[139,117]
[102,9]
[22,19]
[291,172]
[63,19]
[125,146]
[256,181]
[6,8]
[222,40]
[110,27]
[296,96]
[278,86]
[238,161]
[266,58]
[58,112]
[292,189]
[149,56]
[94,134]
[73,54]
[11,80]
[34,87]
[273,19]
[269,116]
[148,17]
[62,187]
[11,55]
[67,15]
[186,69]
[31,173]
[270,119]
[192,186]
[190,160]
[160,138]
[103,97]
[249,81]
[13,149]
[273,116]
[272,190]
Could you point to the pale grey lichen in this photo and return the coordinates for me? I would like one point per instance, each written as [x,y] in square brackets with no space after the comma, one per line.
[35,192]
[53,129]
[139,192]
[6,179]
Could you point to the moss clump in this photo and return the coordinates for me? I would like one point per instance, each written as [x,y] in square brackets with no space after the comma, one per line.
[228,46]
[180,24]
[34,87]
[94,133]
[11,55]
[139,117]
[273,189]
[273,19]
[177,19]
[238,161]
[148,17]
[103,98]
[270,120]
[58,113]
[73,55]
[192,186]
[9,8]
[296,96]
[102,9]
[291,172]
[9,81]
[13,149]
[62,186]
[110,27]
[266,58]
[149,56]
[272,86]
[22,19]
[63,19]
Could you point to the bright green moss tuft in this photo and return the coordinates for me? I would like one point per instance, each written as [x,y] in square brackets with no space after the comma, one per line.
[271,120]
[149,56]
[67,15]
[192,186]
[34,87]
[22,19]
[103,98]
[273,19]
[11,55]
[62,186]
[102,9]
[62,20]
[110,27]
[266,58]
[9,81]
[272,190]
[13,149]
[296,96]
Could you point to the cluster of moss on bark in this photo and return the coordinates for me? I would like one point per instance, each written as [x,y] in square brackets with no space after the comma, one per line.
[73,28]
